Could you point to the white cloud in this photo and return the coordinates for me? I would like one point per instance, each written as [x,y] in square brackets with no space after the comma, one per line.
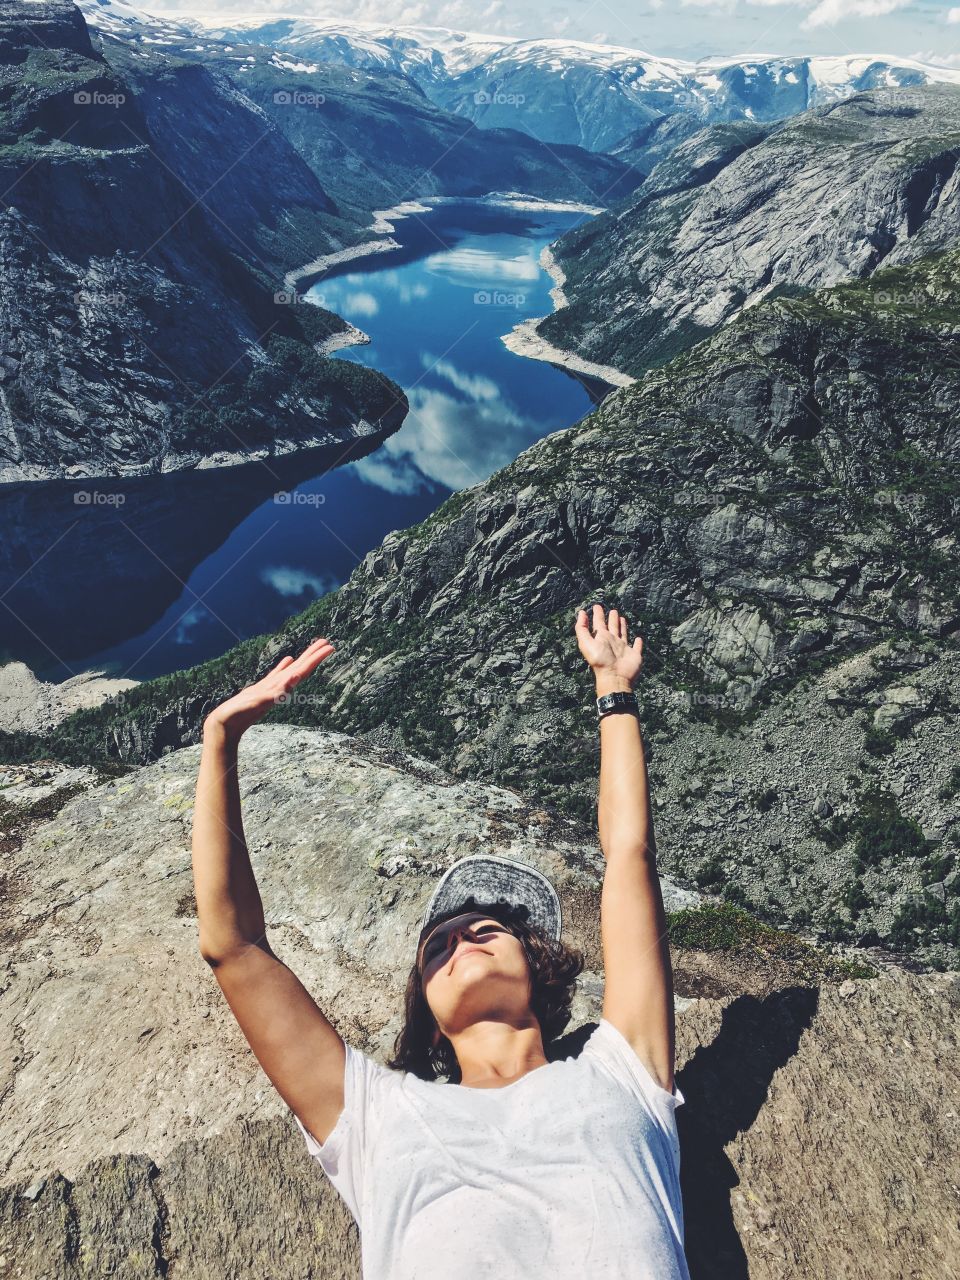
[823,13]
[188,623]
[392,474]
[476,386]
[829,12]
[953,15]
[473,266]
[937,59]
[459,444]
[360,304]
[291,582]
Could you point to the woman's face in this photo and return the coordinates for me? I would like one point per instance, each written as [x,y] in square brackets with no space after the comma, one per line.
[471,965]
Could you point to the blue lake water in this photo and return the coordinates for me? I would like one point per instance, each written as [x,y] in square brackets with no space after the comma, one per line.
[184,567]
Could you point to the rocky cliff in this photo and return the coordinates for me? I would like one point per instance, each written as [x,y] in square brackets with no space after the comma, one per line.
[140,327]
[171,1153]
[776,511]
[743,211]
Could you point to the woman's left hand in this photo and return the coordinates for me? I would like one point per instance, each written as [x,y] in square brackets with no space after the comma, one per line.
[613,659]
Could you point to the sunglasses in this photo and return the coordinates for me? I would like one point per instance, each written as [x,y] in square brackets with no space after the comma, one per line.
[439,940]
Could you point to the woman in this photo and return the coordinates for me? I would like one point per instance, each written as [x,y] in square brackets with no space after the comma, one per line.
[516,1166]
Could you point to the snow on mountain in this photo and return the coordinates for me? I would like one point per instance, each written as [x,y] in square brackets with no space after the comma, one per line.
[560,91]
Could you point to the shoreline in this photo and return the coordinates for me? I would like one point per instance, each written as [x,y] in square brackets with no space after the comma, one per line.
[349,337]
[383,225]
[319,265]
[525,340]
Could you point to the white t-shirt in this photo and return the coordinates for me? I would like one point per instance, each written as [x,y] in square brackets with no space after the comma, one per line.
[572,1171]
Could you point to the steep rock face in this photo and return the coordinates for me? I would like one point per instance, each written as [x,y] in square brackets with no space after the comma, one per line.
[742,211]
[135,321]
[375,141]
[776,511]
[171,1151]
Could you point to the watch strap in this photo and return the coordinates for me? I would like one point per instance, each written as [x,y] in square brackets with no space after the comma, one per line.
[610,704]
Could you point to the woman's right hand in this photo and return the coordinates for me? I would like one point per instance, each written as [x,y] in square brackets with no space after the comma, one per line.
[235,716]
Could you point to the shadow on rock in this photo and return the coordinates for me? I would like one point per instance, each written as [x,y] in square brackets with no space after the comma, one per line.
[725,1085]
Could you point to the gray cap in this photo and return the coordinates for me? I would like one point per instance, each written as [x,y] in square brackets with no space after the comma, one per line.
[491,879]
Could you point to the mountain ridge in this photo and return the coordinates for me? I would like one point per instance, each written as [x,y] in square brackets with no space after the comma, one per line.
[591,95]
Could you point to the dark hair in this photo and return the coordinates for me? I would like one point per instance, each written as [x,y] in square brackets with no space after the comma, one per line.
[553,966]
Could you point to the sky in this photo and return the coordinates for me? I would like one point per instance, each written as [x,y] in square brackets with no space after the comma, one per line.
[925,29]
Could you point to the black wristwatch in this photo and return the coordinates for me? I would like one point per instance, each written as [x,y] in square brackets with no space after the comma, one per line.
[611,703]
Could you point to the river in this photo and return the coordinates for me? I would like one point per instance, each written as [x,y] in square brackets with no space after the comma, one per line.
[181,568]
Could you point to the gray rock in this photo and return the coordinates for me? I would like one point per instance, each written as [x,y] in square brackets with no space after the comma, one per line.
[738,212]
[171,1153]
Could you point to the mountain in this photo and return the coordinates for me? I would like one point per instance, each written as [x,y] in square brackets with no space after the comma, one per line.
[157,206]
[743,211]
[775,510]
[141,253]
[370,134]
[567,92]
[117,1162]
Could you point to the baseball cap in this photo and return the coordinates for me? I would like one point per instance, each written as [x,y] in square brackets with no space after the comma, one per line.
[488,879]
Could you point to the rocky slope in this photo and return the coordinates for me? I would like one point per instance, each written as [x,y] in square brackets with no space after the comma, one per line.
[34,706]
[139,329]
[118,1161]
[776,511]
[742,211]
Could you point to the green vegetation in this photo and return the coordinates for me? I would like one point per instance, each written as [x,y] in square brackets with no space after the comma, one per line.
[729,928]
[251,410]
[855,898]
[883,742]
[925,921]
[879,830]
[711,875]
[882,832]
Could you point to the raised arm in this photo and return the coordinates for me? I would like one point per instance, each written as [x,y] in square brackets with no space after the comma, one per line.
[638,987]
[300,1051]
